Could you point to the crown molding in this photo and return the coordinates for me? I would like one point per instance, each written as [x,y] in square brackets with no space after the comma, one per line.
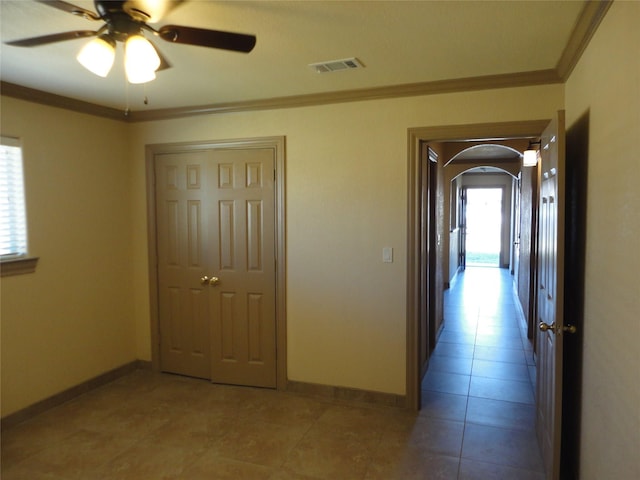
[586,25]
[538,77]
[509,80]
[52,100]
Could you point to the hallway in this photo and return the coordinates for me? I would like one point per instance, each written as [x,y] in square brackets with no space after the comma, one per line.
[481,373]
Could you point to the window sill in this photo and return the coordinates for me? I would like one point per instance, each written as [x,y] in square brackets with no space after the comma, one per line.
[18,266]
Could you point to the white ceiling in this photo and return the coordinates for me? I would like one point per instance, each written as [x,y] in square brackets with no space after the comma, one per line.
[399,42]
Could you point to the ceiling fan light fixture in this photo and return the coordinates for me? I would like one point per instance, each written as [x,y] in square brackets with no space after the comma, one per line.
[98,55]
[141,60]
[126,21]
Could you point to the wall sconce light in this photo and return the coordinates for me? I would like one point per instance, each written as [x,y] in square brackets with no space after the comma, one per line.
[531,155]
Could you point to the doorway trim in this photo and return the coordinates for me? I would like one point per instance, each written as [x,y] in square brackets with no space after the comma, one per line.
[278,146]
[416,137]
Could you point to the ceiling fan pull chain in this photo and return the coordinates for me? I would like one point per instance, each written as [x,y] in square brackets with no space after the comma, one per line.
[126,92]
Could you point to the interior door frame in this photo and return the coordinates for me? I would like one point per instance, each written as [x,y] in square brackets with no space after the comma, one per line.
[416,137]
[278,145]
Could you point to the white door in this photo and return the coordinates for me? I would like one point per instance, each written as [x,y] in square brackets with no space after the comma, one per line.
[550,295]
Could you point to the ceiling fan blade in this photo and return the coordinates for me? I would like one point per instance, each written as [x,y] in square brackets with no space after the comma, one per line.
[70,8]
[237,42]
[151,11]
[56,37]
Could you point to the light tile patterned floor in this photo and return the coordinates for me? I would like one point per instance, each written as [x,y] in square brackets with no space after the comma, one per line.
[477,420]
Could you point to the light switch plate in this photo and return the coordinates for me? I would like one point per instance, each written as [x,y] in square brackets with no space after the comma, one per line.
[387,254]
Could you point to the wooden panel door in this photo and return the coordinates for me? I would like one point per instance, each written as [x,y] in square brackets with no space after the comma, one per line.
[550,295]
[215,224]
[517,195]
[243,246]
[182,243]
[462,261]
[430,310]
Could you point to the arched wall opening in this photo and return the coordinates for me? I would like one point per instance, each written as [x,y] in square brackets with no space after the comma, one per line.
[477,165]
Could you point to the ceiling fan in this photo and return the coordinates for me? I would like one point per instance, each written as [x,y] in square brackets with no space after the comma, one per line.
[126,21]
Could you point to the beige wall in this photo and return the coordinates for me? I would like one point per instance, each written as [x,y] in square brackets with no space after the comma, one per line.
[71,320]
[346,197]
[606,84]
[86,309]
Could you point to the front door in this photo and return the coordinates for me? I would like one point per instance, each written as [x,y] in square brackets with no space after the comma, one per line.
[215,217]
[550,295]
[483,215]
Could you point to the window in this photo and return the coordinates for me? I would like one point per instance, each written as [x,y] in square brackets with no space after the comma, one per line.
[13,231]
[13,219]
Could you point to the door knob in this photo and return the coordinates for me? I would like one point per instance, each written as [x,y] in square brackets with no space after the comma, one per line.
[544,327]
[213,281]
[567,328]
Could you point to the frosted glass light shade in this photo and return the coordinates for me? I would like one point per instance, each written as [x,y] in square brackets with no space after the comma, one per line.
[140,76]
[97,56]
[530,158]
[140,59]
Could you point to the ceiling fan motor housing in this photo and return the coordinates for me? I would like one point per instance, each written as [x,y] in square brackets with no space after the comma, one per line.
[120,23]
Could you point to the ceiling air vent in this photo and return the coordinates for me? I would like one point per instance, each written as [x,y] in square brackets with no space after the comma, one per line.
[336,65]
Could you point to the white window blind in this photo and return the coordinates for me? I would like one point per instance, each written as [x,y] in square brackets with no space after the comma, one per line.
[13,221]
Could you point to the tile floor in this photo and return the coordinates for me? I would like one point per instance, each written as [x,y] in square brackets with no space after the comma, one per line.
[477,420]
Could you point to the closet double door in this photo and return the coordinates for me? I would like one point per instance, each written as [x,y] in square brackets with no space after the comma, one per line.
[216,264]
